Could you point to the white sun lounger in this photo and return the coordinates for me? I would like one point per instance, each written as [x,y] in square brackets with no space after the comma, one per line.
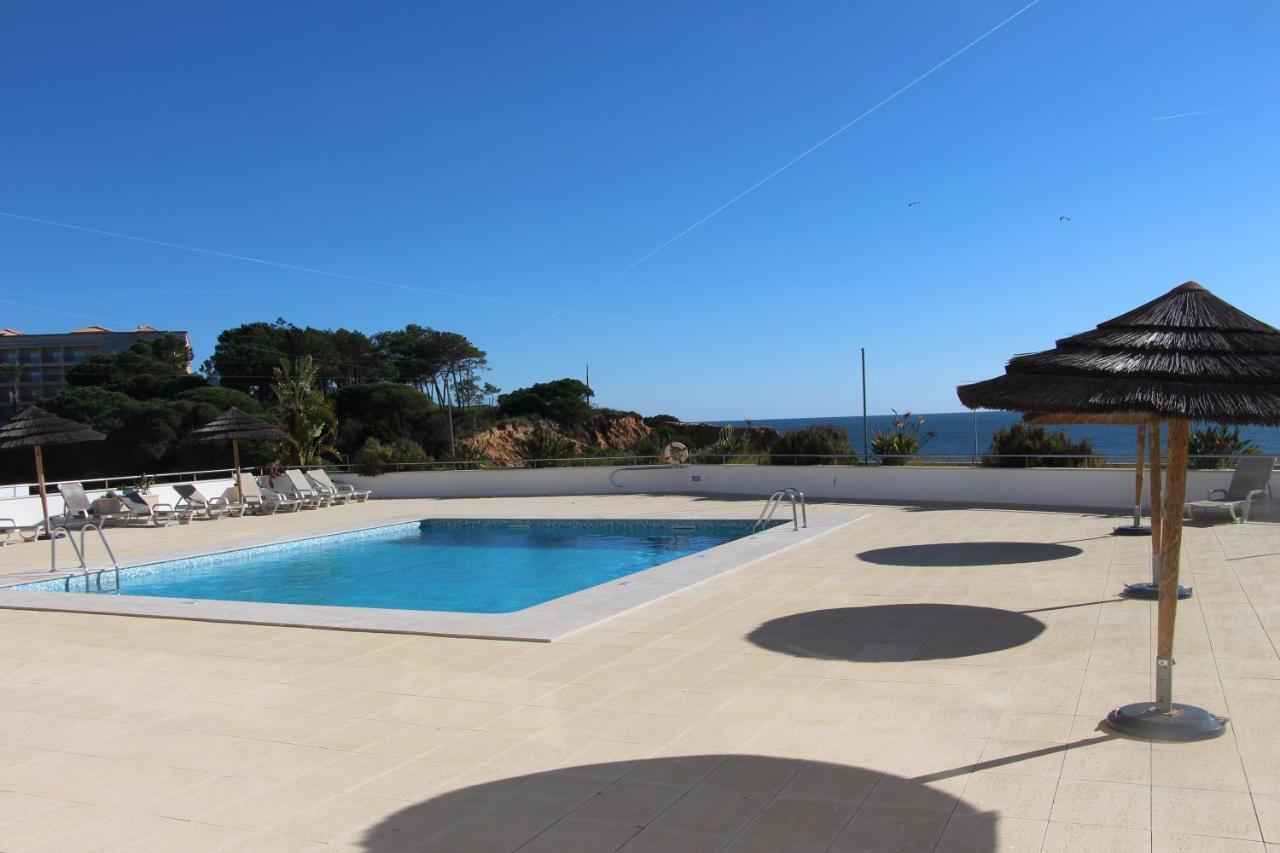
[1250,481]
[343,491]
[189,497]
[302,488]
[265,501]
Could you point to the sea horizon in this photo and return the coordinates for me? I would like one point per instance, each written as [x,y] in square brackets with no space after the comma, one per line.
[969,433]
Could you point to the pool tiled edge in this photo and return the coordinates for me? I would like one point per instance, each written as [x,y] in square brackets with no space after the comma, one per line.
[540,623]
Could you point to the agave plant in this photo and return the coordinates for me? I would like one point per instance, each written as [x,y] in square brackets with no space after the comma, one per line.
[544,443]
[1217,446]
[303,413]
[902,440]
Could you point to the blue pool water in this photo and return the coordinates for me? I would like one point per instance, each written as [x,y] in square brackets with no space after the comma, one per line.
[474,566]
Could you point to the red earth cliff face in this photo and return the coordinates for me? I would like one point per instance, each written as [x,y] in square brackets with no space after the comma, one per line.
[501,443]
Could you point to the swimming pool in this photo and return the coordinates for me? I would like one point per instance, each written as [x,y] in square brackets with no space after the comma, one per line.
[457,565]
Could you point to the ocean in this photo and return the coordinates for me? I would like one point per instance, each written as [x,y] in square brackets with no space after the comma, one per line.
[956,431]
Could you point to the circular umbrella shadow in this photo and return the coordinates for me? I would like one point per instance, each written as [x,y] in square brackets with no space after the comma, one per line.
[969,554]
[688,802]
[897,632]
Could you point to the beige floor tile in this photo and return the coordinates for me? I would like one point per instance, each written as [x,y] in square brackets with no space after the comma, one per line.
[1077,838]
[968,833]
[1108,762]
[1196,812]
[1028,797]
[1213,771]
[1102,804]
[1166,842]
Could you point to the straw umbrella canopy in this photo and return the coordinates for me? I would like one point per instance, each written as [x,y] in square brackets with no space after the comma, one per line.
[1186,356]
[234,425]
[36,428]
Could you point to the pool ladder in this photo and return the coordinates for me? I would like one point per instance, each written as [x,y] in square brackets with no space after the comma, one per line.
[58,533]
[771,506]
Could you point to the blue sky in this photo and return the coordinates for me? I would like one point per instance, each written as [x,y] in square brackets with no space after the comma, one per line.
[527,155]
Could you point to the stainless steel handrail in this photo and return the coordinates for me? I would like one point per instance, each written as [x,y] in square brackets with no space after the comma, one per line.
[53,549]
[115,565]
[771,506]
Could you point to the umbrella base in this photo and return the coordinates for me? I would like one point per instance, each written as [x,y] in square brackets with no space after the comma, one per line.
[1151,592]
[1130,530]
[1185,723]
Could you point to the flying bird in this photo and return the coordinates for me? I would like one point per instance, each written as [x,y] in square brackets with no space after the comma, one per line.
[914,203]
[1064,218]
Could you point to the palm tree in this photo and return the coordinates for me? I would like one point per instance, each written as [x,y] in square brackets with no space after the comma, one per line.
[303,413]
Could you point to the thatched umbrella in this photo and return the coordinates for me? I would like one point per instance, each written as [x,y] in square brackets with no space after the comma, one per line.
[1186,356]
[35,428]
[234,425]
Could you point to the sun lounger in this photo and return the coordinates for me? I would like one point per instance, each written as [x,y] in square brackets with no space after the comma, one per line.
[190,498]
[283,486]
[1250,481]
[77,510]
[303,489]
[282,501]
[139,511]
[265,502]
[344,491]
[333,495]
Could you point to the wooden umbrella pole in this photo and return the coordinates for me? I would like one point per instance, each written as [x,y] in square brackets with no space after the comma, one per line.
[44,498]
[1170,557]
[235,458]
[1156,509]
[1137,480]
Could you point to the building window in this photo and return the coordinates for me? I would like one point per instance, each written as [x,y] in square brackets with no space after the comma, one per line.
[52,356]
[80,356]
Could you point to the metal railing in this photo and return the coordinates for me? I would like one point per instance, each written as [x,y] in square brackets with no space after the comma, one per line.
[961,460]
[80,551]
[771,507]
[956,460]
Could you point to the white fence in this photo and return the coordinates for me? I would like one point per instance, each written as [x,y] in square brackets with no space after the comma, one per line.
[1074,488]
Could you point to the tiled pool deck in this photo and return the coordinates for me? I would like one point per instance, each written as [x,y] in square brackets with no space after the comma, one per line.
[751,712]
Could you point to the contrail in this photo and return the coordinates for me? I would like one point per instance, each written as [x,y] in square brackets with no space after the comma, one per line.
[57,311]
[787,165]
[281,265]
[1196,113]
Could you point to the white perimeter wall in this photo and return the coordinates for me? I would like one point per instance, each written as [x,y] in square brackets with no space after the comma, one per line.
[25,509]
[1068,488]
[1076,488]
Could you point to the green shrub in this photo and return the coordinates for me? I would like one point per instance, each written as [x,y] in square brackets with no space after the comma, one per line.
[406,450]
[1218,440]
[814,445]
[563,401]
[373,457]
[902,440]
[1025,446]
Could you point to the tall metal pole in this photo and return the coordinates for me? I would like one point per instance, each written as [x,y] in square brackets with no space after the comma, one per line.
[865,455]
[588,385]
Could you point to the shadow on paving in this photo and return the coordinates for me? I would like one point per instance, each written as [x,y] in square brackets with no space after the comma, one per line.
[969,554]
[711,802]
[897,632]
